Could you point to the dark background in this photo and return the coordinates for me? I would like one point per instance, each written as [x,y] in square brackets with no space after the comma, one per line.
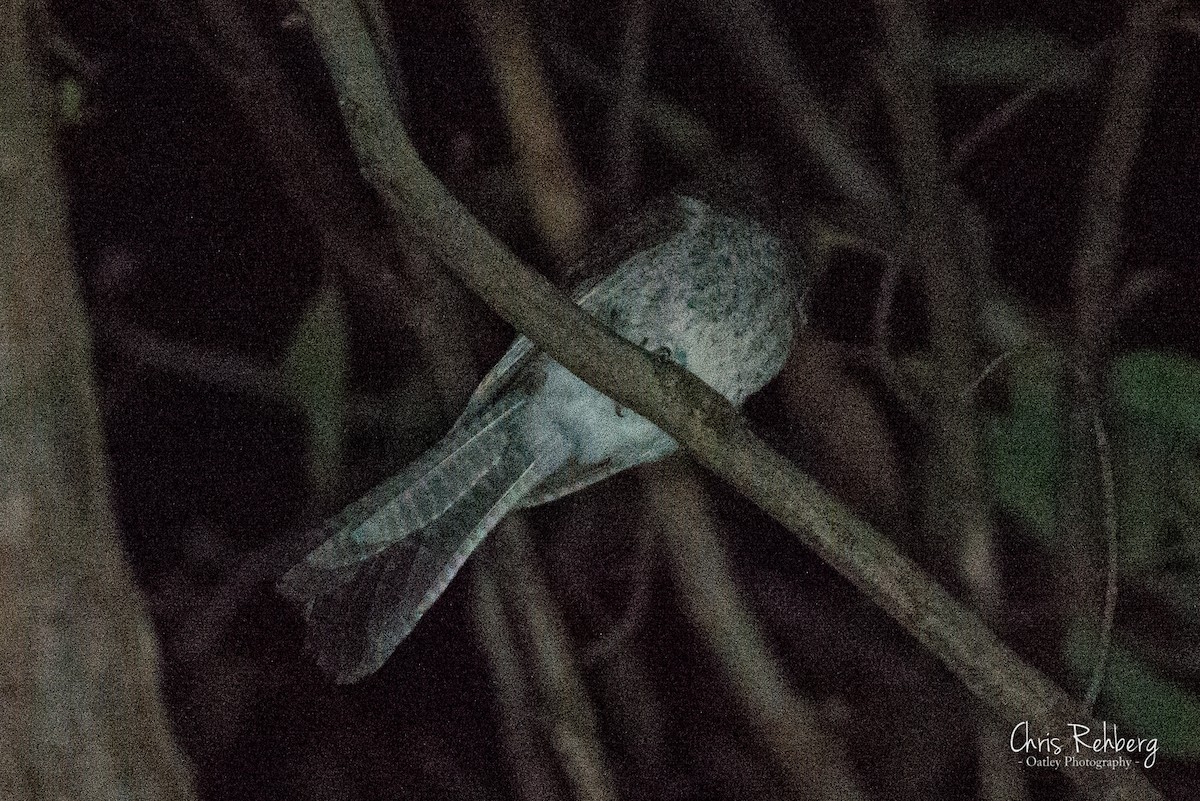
[185,238]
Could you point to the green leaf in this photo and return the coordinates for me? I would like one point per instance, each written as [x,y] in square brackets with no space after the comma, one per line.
[315,372]
[70,101]
[1157,396]
[1023,446]
[1154,422]
[1006,57]
[1157,403]
[1160,389]
[1186,489]
[1140,507]
[1151,704]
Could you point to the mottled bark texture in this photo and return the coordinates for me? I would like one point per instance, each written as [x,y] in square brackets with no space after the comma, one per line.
[80,710]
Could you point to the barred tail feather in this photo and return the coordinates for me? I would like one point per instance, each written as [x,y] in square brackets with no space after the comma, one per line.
[395,551]
[423,490]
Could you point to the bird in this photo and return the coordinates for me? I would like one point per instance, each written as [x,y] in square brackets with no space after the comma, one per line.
[688,279]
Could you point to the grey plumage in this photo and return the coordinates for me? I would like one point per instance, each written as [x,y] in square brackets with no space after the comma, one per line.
[710,289]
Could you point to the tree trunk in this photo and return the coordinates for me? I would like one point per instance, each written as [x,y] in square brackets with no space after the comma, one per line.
[81,715]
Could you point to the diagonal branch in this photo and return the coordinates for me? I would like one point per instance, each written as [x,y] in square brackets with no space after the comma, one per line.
[683,406]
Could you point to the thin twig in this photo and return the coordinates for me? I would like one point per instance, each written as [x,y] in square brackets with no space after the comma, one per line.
[884,364]
[825,238]
[635,610]
[632,702]
[1092,274]
[550,182]
[683,406]
[1137,289]
[631,78]
[72,58]
[953,478]
[754,36]
[223,368]
[971,144]
[811,763]
[991,367]
[936,222]
[1093,279]
[682,133]
[532,776]
[208,621]
[1108,497]
[881,315]
[320,195]
[566,711]
[954,483]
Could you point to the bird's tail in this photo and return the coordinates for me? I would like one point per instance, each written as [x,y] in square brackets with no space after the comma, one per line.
[391,554]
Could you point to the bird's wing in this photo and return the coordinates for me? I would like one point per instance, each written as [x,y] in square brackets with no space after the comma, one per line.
[499,378]
[511,367]
[573,477]
[599,281]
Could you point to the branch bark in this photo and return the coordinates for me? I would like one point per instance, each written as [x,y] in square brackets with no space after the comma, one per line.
[81,715]
[683,406]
